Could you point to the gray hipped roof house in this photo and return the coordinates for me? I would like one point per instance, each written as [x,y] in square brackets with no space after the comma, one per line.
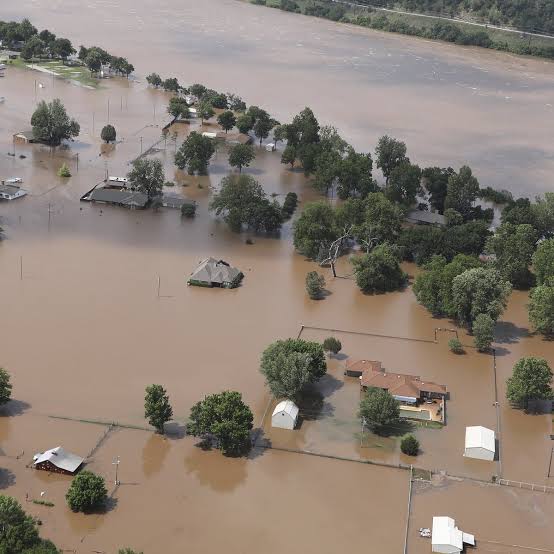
[215,273]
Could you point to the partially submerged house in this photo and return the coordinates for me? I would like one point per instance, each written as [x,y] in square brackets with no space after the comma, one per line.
[126,198]
[425,217]
[355,368]
[176,201]
[480,443]
[285,415]
[24,137]
[446,538]
[58,460]
[11,192]
[215,273]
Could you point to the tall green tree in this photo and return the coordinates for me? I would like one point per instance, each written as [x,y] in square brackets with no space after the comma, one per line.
[379,271]
[171,85]
[205,111]
[543,261]
[147,176]
[108,134]
[435,181]
[157,409]
[178,108]
[315,284]
[513,246]
[314,230]
[51,124]
[379,410]
[227,120]
[154,80]
[462,191]
[262,128]
[244,123]
[195,154]
[241,155]
[287,374]
[531,380]
[18,531]
[404,184]
[541,308]
[289,155]
[479,291]
[5,387]
[354,175]
[483,332]
[225,418]
[382,220]
[390,153]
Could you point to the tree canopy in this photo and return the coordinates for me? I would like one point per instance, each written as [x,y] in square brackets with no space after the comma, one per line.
[225,418]
[147,176]
[314,229]
[51,124]
[108,133]
[195,154]
[5,386]
[87,492]
[543,261]
[157,409]
[379,410]
[390,153]
[379,271]
[541,308]
[241,155]
[531,380]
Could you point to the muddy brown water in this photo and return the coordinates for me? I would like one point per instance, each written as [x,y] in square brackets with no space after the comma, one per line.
[84,330]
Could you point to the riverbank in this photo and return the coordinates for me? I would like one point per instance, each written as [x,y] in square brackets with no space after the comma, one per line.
[434,27]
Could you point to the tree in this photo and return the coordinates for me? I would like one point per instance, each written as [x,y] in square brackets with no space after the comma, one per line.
[51,124]
[409,445]
[541,308]
[315,284]
[543,261]
[455,346]
[17,530]
[188,209]
[404,184]
[87,492]
[435,181]
[421,242]
[154,80]
[178,108]
[483,332]
[314,229]
[198,90]
[327,168]
[317,366]
[205,111]
[379,271]
[241,155]
[5,386]
[128,551]
[244,123]
[479,291]
[289,205]
[469,238]
[287,373]
[242,201]
[390,153]
[64,171]
[157,409]
[433,287]
[262,128]
[93,60]
[62,48]
[382,220]
[378,410]
[279,133]
[289,155]
[531,380]
[171,85]
[513,246]
[227,120]
[225,418]
[195,154]
[304,129]
[354,176]
[543,215]
[108,134]
[33,48]
[462,191]
[235,102]
[147,176]
[332,344]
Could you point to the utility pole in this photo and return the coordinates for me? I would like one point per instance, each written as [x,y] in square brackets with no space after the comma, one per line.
[92,123]
[21,268]
[116,463]
[141,146]
[108,110]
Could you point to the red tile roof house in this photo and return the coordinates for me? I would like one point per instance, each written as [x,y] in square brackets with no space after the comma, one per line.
[408,389]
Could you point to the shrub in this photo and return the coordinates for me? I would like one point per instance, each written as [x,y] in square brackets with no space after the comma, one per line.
[64,171]
[331,344]
[188,210]
[409,445]
[108,134]
[314,285]
[455,346]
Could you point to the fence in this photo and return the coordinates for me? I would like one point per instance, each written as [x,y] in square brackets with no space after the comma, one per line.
[527,486]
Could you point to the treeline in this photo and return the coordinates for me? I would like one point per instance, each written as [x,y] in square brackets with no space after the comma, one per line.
[440,30]
[24,37]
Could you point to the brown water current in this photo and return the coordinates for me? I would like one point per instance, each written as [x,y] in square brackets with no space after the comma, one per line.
[84,329]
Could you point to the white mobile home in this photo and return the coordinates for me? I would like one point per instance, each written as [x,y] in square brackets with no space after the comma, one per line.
[480,443]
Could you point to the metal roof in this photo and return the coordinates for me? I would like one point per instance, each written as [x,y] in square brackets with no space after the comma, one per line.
[211,270]
[288,407]
[480,437]
[60,458]
[425,216]
[123,197]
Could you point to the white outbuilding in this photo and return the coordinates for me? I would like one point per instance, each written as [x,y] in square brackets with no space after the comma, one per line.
[480,443]
[446,538]
[285,415]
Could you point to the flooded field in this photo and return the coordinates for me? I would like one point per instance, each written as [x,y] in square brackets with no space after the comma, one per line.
[85,330]
[452,105]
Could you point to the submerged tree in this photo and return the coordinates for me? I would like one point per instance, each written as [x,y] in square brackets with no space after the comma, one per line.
[87,492]
[52,125]
[379,271]
[195,154]
[390,153]
[108,134]
[379,410]
[314,229]
[147,176]
[315,284]
[541,308]
[227,120]
[5,386]
[157,409]
[241,155]
[531,380]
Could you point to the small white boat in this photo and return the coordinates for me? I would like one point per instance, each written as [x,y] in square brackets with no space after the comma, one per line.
[13,180]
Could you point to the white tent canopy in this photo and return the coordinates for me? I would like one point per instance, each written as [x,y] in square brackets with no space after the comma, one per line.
[480,443]
[447,538]
[285,415]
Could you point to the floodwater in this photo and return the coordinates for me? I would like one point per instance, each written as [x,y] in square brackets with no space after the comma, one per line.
[452,105]
[84,329]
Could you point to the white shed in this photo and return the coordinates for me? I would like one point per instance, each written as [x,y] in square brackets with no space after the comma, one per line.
[480,443]
[285,415]
[446,538]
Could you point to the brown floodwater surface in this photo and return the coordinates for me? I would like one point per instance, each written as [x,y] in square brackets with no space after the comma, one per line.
[84,329]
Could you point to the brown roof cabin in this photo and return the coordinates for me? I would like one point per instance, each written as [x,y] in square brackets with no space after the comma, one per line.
[58,460]
[355,368]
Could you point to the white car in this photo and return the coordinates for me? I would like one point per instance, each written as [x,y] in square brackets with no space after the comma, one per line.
[13,180]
